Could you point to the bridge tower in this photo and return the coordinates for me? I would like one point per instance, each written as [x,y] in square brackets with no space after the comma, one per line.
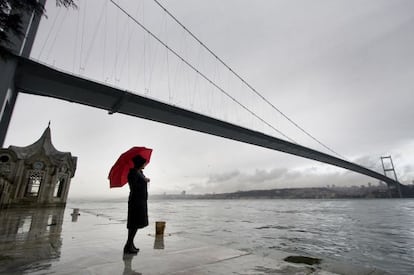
[388,167]
[21,46]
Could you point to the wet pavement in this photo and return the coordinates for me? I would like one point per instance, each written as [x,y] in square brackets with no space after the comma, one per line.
[52,241]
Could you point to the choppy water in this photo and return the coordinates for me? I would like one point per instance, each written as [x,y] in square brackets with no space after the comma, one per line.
[377,233]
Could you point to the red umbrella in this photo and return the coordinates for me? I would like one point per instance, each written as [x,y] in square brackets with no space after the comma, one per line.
[118,176]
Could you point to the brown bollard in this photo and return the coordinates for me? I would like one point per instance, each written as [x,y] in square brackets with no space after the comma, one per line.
[159,227]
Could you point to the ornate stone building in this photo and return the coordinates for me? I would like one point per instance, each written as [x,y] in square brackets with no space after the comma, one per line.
[35,175]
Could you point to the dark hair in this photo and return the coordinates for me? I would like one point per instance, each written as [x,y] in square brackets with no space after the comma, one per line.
[138,161]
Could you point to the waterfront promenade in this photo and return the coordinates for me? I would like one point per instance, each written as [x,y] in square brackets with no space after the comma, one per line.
[53,241]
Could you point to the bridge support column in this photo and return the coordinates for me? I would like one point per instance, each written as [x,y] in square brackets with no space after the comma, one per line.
[20,46]
[393,188]
[8,94]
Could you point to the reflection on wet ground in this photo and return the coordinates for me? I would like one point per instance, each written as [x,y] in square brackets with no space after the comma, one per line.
[28,236]
[127,258]
[159,242]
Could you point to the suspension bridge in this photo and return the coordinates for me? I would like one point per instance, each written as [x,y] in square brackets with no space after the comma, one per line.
[25,75]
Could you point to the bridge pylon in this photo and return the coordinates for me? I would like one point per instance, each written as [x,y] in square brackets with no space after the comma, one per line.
[388,167]
[19,46]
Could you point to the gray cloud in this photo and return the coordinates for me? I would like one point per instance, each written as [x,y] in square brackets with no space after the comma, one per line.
[217,178]
[291,178]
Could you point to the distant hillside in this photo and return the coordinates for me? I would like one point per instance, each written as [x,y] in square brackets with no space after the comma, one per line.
[380,191]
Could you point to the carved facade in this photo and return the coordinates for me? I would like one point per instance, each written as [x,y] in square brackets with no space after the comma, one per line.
[35,175]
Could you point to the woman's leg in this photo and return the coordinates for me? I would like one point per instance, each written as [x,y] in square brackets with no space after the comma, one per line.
[129,246]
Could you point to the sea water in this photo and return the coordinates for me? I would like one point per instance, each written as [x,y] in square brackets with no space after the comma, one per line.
[373,232]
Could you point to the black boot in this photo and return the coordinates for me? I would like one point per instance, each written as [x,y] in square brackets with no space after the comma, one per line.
[129,249]
[129,246]
[133,246]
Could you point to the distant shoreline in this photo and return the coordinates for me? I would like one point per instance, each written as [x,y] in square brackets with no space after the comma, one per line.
[354,192]
[332,192]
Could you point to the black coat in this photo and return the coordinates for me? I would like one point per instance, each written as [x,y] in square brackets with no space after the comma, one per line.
[137,202]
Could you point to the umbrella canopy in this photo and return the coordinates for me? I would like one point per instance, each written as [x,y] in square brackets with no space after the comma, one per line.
[118,176]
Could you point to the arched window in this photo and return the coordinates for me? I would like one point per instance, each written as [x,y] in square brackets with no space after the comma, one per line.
[34,181]
[59,187]
[5,166]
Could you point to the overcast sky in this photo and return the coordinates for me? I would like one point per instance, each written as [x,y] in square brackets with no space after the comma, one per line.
[342,70]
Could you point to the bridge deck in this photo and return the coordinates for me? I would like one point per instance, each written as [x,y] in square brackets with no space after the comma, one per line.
[37,79]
